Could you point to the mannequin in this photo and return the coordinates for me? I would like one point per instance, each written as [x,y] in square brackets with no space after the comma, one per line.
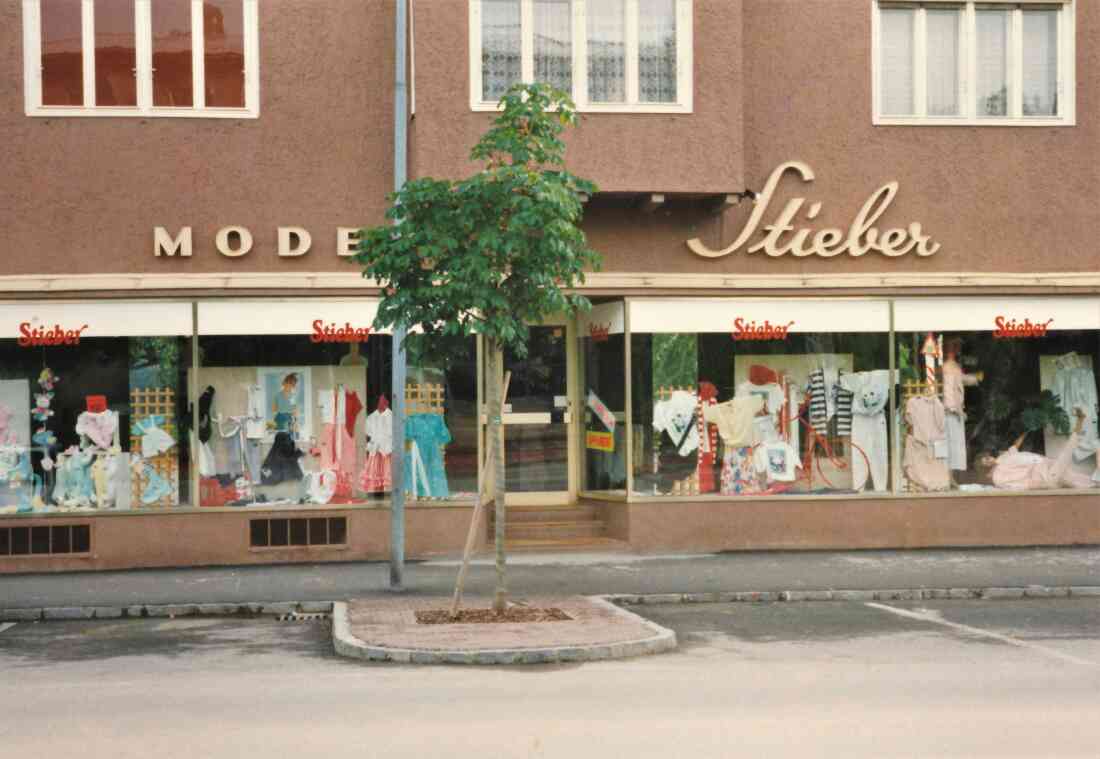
[954,380]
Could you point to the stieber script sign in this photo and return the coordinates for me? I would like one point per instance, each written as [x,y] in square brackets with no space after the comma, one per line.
[781,237]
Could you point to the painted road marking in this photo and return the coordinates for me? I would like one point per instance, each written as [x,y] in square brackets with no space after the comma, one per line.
[935,618]
[6,626]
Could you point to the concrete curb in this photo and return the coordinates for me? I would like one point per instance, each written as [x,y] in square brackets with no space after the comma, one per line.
[283,608]
[167,611]
[348,645]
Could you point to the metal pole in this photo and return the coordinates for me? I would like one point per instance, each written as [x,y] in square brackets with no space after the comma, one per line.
[400,169]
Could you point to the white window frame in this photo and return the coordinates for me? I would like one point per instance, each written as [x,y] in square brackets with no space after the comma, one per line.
[32,66]
[684,59]
[1067,83]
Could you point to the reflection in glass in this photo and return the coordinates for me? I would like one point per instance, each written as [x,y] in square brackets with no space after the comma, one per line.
[500,47]
[992,53]
[536,434]
[657,51]
[115,53]
[554,43]
[603,390]
[223,54]
[606,23]
[1040,96]
[172,76]
[62,60]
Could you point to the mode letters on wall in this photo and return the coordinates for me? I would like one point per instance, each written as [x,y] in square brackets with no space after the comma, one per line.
[861,237]
[237,241]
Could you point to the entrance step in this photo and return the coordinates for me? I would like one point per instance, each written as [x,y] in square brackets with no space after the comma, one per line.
[565,545]
[560,513]
[554,530]
[562,527]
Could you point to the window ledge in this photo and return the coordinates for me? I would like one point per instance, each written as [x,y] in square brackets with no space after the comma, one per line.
[669,108]
[913,121]
[154,113]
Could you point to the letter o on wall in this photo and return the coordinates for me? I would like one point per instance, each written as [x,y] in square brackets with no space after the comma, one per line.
[222,241]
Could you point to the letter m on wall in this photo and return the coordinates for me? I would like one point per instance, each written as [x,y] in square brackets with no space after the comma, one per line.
[166,245]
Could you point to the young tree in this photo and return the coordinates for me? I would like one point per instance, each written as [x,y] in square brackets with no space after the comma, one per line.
[490,254]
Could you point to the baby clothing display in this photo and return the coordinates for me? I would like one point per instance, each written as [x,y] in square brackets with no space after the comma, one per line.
[154,440]
[1023,470]
[319,487]
[870,393]
[100,428]
[425,473]
[778,460]
[337,441]
[375,477]
[674,415]
[925,458]
[735,419]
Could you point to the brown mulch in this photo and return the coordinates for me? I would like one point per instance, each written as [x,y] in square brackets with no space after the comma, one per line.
[488,616]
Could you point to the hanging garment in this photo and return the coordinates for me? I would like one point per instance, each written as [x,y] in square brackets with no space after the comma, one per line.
[843,410]
[674,416]
[870,395]
[255,428]
[1023,470]
[156,486]
[770,392]
[1075,387]
[231,433]
[819,408]
[105,474]
[954,380]
[352,407]
[206,406]
[326,403]
[739,472]
[75,486]
[925,470]
[100,427]
[429,432]
[7,434]
[375,477]
[208,464]
[154,440]
[708,440]
[735,419]
[778,461]
[281,463]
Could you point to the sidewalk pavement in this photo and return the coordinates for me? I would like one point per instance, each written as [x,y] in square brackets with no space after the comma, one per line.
[567,574]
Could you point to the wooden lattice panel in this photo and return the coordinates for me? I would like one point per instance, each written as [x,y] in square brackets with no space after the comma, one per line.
[146,402]
[424,398]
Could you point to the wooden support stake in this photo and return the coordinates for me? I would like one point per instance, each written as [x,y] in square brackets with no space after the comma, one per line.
[479,508]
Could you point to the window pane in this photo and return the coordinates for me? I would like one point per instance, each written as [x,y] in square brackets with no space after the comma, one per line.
[223,30]
[115,54]
[1041,63]
[500,47]
[62,62]
[943,62]
[603,399]
[554,43]
[992,44]
[606,24]
[657,51]
[897,62]
[172,78]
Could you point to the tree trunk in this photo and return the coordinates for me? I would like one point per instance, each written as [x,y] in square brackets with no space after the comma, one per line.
[495,430]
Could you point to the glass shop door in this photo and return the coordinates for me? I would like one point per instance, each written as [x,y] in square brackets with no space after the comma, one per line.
[538,436]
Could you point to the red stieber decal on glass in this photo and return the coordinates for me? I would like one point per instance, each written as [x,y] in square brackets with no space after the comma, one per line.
[599,332]
[56,335]
[1007,328]
[330,333]
[750,330]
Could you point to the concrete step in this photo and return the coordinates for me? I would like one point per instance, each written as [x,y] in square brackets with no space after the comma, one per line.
[569,529]
[566,545]
[563,513]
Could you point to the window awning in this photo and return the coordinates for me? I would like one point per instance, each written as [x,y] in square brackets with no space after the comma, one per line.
[298,316]
[981,314]
[114,319]
[674,315]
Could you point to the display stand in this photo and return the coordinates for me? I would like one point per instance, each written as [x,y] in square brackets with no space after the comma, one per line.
[159,401]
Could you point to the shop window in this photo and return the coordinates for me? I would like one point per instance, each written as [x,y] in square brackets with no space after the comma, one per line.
[612,55]
[603,389]
[751,398]
[998,395]
[293,404]
[974,63]
[93,402]
[141,58]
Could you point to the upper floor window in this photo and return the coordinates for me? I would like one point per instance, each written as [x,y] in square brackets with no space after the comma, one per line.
[611,55]
[966,62]
[141,58]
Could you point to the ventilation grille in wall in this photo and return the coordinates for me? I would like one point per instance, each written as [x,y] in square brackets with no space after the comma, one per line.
[46,540]
[292,533]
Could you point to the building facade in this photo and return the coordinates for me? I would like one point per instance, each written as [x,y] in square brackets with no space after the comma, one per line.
[846,265]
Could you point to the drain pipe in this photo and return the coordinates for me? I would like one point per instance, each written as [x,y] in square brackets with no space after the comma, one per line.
[397,391]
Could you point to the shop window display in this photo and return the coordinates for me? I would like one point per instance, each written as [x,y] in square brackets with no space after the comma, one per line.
[738,398]
[90,421]
[998,395]
[603,395]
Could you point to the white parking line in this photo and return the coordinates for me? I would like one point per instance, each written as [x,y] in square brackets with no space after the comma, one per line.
[6,626]
[934,618]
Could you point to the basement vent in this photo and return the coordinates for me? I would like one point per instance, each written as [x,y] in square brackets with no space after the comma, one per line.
[292,533]
[46,540]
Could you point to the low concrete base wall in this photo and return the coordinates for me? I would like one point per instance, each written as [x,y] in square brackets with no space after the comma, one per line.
[222,538]
[827,523]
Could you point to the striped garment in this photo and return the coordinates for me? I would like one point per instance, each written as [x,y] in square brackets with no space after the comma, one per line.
[844,412]
[819,408]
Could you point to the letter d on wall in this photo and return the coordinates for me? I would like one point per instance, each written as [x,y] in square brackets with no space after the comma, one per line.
[293,242]
[244,243]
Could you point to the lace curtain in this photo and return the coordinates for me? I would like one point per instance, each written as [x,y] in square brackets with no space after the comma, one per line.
[943,62]
[501,66]
[554,43]
[657,51]
[897,98]
[606,26]
[992,42]
[1040,64]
